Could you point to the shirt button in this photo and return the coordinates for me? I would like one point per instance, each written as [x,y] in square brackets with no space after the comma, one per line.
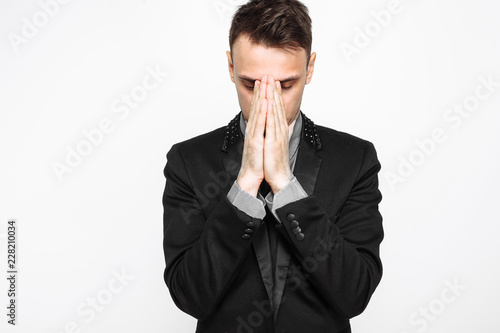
[246,236]
[300,237]
[290,217]
[294,224]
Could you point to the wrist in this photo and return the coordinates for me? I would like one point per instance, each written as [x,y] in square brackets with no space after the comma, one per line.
[280,184]
[248,185]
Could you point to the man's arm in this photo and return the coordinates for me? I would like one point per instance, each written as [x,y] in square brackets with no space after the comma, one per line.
[202,253]
[340,254]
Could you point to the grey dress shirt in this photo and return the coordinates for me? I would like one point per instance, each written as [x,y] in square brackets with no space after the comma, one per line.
[293,191]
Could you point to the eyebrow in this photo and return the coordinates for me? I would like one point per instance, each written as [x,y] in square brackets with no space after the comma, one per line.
[291,78]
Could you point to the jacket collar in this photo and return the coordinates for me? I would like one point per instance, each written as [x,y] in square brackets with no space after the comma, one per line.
[232,134]
[310,133]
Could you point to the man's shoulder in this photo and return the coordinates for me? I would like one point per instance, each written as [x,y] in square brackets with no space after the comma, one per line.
[212,141]
[206,143]
[208,138]
[346,150]
[335,139]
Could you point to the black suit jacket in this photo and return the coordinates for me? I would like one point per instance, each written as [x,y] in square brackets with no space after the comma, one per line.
[215,259]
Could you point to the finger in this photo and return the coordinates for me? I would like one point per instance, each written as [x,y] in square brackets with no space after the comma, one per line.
[255,97]
[256,91]
[270,95]
[278,112]
[270,89]
[261,119]
[263,87]
[254,107]
[261,95]
[270,121]
[280,95]
[280,106]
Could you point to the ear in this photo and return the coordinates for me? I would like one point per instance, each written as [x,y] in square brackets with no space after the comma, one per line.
[230,65]
[310,67]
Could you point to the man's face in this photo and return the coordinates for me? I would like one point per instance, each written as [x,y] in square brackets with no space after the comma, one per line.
[249,62]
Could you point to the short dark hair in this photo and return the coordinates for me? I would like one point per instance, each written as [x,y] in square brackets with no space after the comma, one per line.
[274,23]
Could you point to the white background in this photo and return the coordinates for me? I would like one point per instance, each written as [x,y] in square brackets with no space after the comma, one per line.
[77,231]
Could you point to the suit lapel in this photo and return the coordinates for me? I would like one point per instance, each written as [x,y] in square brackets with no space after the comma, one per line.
[232,161]
[263,254]
[233,147]
[307,167]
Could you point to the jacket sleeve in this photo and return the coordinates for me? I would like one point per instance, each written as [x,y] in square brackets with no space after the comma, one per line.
[340,254]
[203,254]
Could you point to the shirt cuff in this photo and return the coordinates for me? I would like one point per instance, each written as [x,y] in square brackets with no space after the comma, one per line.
[246,202]
[293,191]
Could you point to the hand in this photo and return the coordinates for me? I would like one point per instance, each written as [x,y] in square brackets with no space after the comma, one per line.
[276,156]
[252,164]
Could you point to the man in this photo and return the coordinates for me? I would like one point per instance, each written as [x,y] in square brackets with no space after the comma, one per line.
[271,223]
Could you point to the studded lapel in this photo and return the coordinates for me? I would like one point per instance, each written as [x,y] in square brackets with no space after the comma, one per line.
[308,160]
[233,146]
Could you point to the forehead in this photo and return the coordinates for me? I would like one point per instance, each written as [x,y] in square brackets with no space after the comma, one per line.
[255,60]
